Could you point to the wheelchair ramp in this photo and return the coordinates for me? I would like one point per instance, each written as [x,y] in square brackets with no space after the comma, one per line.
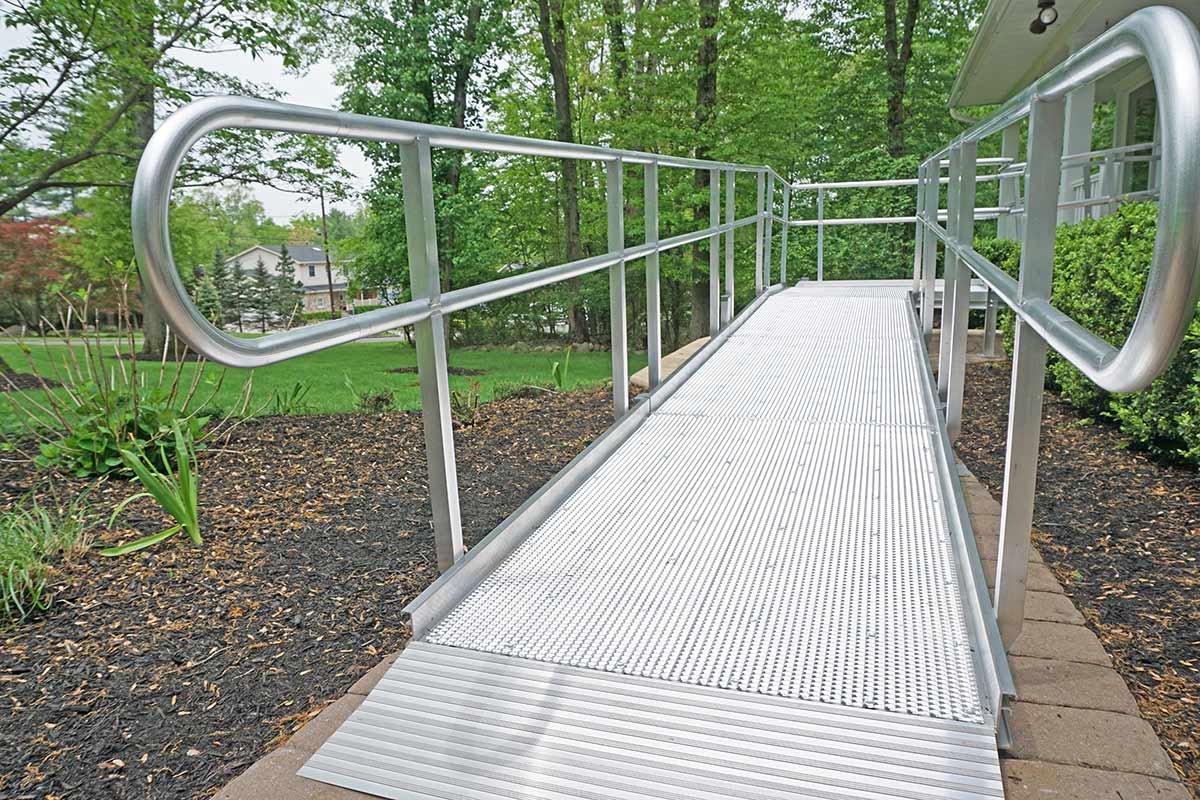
[759,594]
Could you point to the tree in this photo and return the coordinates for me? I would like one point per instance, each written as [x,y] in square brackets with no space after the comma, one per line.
[429,61]
[706,106]
[262,296]
[552,27]
[32,267]
[97,73]
[235,297]
[285,285]
[899,54]
[208,299]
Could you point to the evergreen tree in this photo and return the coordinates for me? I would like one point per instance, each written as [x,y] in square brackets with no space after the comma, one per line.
[285,286]
[262,300]
[233,298]
[208,299]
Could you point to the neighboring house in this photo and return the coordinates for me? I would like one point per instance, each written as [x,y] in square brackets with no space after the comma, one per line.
[309,273]
[1006,56]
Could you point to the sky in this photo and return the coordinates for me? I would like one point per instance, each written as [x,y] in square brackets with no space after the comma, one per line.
[315,88]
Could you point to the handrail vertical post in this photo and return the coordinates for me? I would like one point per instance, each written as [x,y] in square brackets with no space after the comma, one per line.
[714,252]
[758,235]
[787,223]
[616,286]
[1108,184]
[1043,173]
[653,294]
[730,211]
[949,271]
[1010,146]
[930,245]
[964,235]
[989,325]
[820,234]
[416,165]
[770,222]
[919,231]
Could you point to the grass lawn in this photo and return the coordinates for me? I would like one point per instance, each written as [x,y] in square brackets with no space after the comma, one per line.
[367,365]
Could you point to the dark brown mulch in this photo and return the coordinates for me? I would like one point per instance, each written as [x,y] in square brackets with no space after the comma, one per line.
[1122,533]
[16,381]
[165,674]
[451,370]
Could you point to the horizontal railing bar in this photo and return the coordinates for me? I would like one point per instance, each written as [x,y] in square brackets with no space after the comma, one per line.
[1143,194]
[1077,344]
[980,213]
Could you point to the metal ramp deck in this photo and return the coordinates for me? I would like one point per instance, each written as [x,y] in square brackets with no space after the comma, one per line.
[766,591]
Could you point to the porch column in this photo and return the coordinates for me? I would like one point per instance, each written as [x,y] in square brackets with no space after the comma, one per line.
[1077,135]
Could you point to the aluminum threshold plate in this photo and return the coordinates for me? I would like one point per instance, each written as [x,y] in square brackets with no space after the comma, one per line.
[460,725]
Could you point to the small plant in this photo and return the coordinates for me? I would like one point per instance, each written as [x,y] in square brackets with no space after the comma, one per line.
[91,399]
[371,400]
[464,405]
[175,490]
[286,402]
[558,370]
[33,537]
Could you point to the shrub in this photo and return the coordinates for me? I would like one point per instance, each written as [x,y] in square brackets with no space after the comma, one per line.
[372,400]
[464,405]
[33,537]
[316,316]
[1100,271]
[93,400]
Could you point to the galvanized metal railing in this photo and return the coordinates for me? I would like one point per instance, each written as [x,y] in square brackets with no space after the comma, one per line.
[1170,44]
[426,311]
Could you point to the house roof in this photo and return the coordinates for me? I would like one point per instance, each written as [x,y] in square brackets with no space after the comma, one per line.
[1005,57]
[300,253]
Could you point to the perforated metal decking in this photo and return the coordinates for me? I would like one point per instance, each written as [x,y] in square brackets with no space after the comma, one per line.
[758,594]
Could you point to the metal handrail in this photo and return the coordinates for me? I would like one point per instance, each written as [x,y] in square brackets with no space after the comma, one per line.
[1168,41]
[426,311]
[171,142]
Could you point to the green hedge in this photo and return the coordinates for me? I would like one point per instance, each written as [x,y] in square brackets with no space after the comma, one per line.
[1100,269]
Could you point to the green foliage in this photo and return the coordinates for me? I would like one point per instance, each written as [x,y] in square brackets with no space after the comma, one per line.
[559,370]
[316,316]
[293,400]
[1100,270]
[104,420]
[208,300]
[94,401]
[174,489]
[464,405]
[371,400]
[33,538]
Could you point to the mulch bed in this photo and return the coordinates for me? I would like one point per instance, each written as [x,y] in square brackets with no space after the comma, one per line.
[167,673]
[16,381]
[1121,532]
[452,370]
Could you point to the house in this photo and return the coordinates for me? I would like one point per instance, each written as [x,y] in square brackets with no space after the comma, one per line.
[309,274]
[1018,41]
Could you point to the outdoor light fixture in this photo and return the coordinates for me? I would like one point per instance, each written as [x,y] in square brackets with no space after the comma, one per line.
[1047,15]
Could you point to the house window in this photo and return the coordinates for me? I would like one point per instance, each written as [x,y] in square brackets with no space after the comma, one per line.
[322,301]
[312,270]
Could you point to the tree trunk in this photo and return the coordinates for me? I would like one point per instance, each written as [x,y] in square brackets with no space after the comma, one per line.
[706,103]
[554,40]
[898,47]
[154,327]
[333,309]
